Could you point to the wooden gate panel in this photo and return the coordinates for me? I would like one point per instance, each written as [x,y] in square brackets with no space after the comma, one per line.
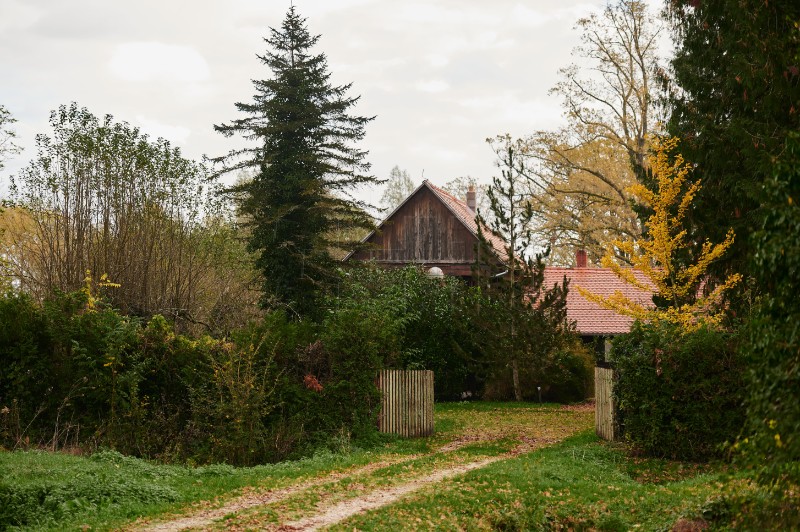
[406,402]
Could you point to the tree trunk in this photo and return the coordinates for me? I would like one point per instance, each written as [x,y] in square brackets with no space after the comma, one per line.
[515,378]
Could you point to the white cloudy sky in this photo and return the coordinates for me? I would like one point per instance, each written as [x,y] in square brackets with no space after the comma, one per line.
[440,75]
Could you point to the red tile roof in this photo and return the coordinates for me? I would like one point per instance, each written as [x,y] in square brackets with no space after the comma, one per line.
[590,318]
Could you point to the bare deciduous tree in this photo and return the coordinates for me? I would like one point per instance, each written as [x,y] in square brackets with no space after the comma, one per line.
[101,197]
[7,135]
[579,174]
[397,188]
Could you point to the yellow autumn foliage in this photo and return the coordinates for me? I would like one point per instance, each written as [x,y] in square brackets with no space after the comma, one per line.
[91,289]
[654,255]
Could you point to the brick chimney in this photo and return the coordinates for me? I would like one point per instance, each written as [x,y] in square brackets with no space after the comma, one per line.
[471,198]
[580,258]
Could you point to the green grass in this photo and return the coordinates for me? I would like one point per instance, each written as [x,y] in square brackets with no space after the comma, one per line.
[579,484]
[54,491]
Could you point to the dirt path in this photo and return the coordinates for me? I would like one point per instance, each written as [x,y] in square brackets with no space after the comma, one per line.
[382,497]
[329,511]
[371,500]
[329,515]
[207,517]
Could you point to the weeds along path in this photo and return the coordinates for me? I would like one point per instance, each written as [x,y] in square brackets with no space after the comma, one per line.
[485,438]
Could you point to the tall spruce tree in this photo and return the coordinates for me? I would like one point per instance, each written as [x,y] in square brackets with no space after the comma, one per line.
[736,77]
[306,166]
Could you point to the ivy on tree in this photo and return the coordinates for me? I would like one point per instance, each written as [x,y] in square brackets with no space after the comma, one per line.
[737,111]
[300,200]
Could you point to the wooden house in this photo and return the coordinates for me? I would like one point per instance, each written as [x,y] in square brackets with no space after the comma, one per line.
[431,228]
[434,229]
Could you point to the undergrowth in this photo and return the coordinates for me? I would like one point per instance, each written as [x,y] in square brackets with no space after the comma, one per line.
[56,491]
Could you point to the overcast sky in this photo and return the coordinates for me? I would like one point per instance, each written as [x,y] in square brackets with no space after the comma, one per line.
[439,75]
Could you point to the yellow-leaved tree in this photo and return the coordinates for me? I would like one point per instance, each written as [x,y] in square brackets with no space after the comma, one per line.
[658,259]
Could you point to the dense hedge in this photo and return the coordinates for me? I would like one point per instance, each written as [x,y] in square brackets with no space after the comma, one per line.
[433,323]
[80,374]
[457,331]
[771,437]
[77,373]
[680,393]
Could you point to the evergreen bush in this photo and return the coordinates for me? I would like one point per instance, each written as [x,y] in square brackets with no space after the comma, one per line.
[771,437]
[680,393]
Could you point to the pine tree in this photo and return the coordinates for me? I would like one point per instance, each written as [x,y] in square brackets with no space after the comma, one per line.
[306,168]
[526,319]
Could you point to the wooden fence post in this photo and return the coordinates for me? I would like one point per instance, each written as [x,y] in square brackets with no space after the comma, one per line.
[605,421]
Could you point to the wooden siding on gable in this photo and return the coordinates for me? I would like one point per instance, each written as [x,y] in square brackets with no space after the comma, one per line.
[423,230]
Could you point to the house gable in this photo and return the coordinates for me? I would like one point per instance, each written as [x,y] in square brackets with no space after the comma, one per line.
[431,227]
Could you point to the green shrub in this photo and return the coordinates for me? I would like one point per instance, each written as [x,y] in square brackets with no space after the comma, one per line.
[26,375]
[232,407]
[433,320]
[359,342]
[679,393]
[568,375]
[456,331]
[81,374]
[41,501]
[158,377]
[68,366]
[771,437]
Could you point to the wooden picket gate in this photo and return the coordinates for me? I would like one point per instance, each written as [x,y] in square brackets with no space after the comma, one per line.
[604,407]
[406,402]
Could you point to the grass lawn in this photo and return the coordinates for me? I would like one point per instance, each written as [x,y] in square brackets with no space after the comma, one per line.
[571,481]
[579,484]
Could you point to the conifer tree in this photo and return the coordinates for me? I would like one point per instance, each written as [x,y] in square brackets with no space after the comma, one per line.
[306,168]
[526,319]
[736,76]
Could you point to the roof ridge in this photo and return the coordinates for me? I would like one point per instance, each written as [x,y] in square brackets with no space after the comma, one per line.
[457,208]
[446,193]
